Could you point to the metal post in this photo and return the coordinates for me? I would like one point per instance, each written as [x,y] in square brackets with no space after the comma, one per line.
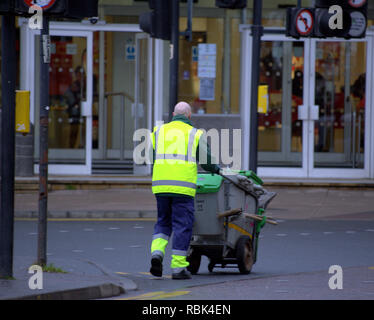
[8,74]
[43,154]
[122,129]
[257,31]
[175,56]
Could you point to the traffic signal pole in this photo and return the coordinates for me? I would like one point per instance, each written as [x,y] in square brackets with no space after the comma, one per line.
[257,31]
[175,56]
[43,154]
[8,75]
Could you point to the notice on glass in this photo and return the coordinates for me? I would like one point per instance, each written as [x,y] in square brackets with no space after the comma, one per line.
[207,56]
[207,89]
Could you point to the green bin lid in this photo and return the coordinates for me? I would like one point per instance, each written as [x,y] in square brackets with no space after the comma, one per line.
[208,183]
[251,175]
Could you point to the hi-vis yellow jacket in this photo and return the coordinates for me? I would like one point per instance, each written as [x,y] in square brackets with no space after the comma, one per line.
[175,166]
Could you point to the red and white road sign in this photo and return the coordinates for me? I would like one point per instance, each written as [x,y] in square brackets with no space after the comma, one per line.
[44,4]
[357,3]
[304,22]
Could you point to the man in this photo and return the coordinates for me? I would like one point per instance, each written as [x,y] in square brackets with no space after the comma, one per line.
[176,153]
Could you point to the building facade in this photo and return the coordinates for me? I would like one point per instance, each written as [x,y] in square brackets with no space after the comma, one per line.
[109,79]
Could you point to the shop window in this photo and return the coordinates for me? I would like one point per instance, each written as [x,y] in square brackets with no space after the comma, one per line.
[216,91]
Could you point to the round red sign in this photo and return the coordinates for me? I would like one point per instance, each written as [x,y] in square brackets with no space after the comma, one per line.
[44,4]
[304,22]
[357,3]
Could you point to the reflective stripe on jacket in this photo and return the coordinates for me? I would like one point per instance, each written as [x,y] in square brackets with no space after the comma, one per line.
[175,166]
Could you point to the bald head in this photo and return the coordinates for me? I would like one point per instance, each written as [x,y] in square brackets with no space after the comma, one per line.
[182,108]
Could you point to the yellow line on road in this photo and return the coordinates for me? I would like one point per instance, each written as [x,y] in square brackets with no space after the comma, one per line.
[371,268]
[157,295]
[88,219]
[170,295]
[149,274]
[144,296]
[124,273]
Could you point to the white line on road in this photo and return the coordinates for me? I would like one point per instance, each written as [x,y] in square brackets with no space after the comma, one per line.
[63,231]
[33,233]
[282,280]
[108,248]
[328,232]
[281,234]
[350,232]
[77,251]
[305,234]
[113,228]
[136,246]
[369,230]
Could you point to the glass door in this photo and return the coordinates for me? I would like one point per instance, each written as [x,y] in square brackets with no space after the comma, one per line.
[71,99]
[340,95]
[282,129]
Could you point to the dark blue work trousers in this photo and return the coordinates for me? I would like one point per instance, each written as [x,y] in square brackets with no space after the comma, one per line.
[175,214]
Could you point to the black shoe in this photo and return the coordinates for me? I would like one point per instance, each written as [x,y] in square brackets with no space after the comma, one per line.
[183,275]
[156,266]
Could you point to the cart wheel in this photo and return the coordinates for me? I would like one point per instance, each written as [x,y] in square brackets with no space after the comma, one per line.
[194,259]
[244,254]
[211,265]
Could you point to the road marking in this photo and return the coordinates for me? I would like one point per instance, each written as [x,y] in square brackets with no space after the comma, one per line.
[281,291]
[328,232]
[108,248]
[281,234]
[63,231]
[33,233]
[144,296]
[123,273]
[369,230]
[371,268]
[149,274]
[170,295]
[304,234]
[113,228]
[281,280]
[136,246]
[350,232]
[77,251]
[157,295]
[138,227]
[88,229]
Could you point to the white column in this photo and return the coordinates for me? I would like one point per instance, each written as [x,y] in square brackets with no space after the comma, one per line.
[158,80]
[245,92]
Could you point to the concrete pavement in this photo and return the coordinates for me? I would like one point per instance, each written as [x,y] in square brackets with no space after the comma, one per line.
[78,280]
[290,203]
